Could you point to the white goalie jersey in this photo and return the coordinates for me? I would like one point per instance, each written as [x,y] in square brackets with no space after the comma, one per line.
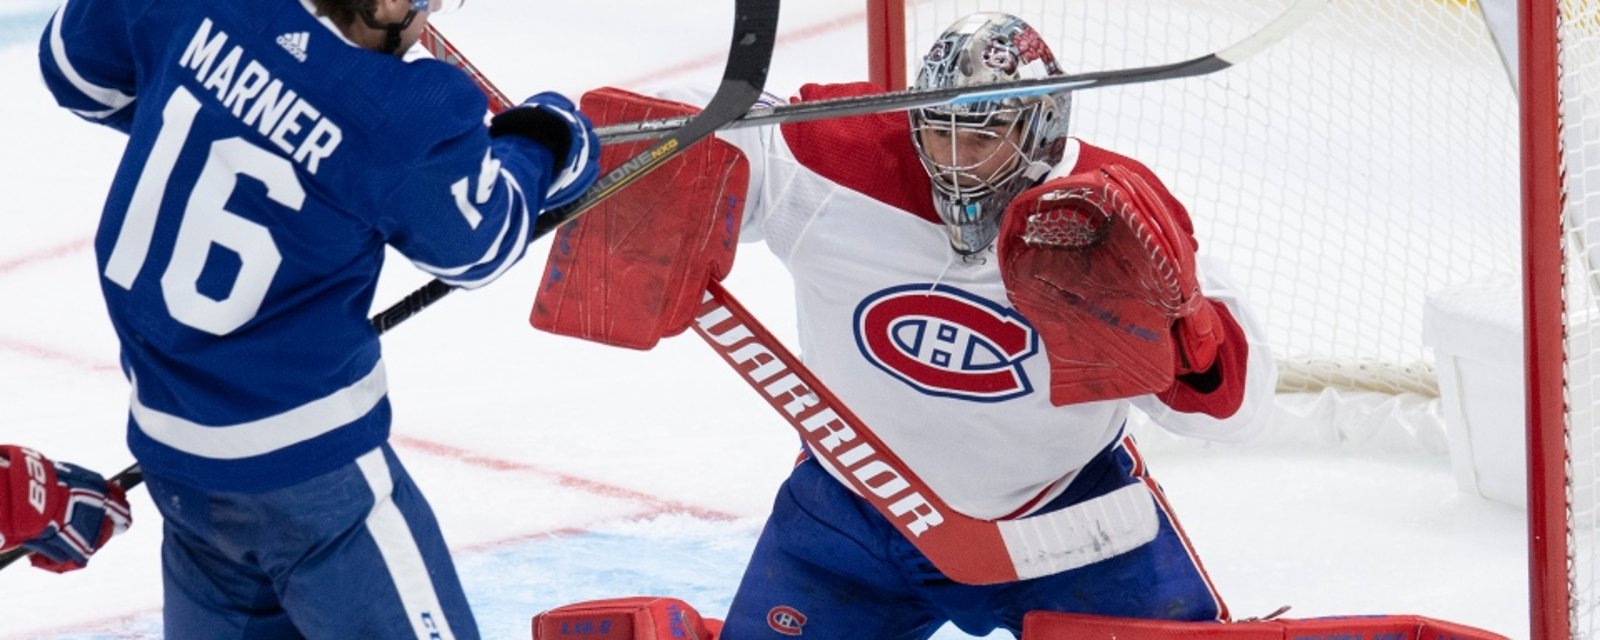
[924,345]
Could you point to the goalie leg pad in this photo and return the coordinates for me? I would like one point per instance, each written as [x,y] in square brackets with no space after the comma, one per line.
[634,618]
[1042,625]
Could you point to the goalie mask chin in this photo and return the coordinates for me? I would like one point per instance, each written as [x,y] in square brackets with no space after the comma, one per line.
[980,155]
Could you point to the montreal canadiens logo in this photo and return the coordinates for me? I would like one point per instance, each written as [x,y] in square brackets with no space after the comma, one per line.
[946,342]
[786,620]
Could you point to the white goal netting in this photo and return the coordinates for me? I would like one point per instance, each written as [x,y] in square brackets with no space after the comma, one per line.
[1368,161]
[1578,32]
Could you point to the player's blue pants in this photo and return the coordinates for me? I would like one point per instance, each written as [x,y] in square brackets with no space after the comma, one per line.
[354,553]
[827,566]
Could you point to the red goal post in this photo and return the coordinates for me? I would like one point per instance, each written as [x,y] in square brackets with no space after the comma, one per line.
[1559,95]
[1381,156]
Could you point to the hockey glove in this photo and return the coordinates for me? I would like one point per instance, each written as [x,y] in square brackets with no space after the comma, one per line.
[550,119]
[634,269]
[60,512]
[1103,266]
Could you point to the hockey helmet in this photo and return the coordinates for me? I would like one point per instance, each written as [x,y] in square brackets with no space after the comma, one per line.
[1013,140]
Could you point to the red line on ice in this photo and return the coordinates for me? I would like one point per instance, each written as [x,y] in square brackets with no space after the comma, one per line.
[51,253]
[426,446]
[47,354]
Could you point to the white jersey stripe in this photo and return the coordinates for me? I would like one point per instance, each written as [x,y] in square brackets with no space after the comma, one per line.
[257,437]
[400,553]
[112,98]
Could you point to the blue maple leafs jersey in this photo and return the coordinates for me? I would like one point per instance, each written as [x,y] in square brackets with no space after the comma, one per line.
[269,161]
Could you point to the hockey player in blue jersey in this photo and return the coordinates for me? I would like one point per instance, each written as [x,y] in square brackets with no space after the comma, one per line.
[275,148]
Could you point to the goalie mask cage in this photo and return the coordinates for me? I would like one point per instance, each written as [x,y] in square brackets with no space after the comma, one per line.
[1372,157]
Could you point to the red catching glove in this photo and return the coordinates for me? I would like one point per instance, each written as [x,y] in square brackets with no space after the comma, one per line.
[1102,264]
[60,512]
[636,618]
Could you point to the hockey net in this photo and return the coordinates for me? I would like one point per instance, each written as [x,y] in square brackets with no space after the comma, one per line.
[1369,160]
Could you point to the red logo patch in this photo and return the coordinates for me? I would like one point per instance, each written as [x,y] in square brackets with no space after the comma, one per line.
[785,620]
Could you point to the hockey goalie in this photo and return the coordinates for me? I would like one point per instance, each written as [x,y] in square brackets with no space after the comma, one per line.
[991,298]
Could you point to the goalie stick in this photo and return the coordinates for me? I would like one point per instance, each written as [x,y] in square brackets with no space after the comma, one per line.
[749,55]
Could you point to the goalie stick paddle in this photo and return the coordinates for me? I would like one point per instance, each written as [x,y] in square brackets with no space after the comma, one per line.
[966,549]
[749,56]
[755,26]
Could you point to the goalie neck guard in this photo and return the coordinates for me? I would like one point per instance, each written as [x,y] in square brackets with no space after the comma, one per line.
[1010,143]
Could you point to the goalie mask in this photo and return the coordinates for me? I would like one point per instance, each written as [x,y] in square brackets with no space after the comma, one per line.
[982,154]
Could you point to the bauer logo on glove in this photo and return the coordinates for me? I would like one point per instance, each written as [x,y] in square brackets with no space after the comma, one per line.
[61,512]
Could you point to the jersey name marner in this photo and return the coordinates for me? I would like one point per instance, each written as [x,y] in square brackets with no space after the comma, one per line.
[243,234]
[259,100]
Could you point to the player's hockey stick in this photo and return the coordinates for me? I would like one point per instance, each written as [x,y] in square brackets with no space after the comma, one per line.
[755,28]
[1286,22]
[442,50]
[964,548]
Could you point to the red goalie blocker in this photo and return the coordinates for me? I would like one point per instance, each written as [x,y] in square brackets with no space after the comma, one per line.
[1041,625]
[631,271]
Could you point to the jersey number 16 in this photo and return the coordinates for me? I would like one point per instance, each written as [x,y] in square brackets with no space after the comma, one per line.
[205,222]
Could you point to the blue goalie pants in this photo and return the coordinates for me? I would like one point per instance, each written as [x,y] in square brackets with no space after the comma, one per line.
[827,567]
[353,553]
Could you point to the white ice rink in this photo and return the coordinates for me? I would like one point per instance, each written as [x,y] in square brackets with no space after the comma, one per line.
[563,471]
